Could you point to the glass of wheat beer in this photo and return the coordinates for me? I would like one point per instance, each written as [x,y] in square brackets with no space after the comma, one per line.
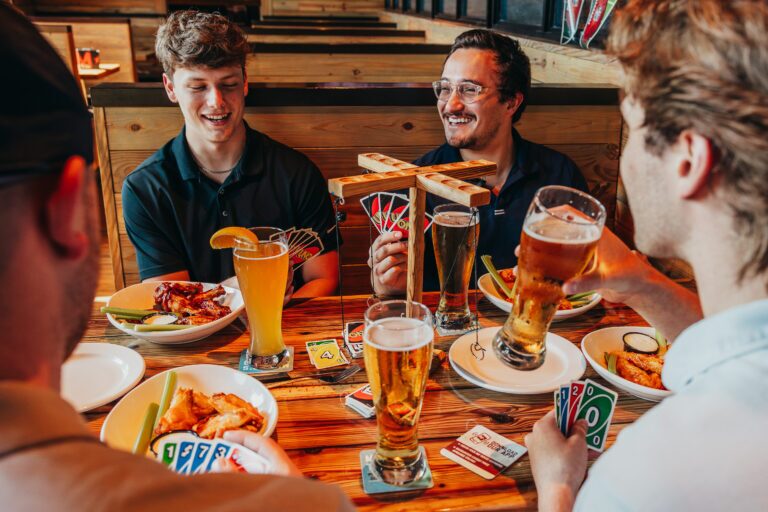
[455,230]
[398,350]
[560,233]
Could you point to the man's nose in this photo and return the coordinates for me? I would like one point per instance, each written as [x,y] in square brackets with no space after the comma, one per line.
[454,103]
[215,98]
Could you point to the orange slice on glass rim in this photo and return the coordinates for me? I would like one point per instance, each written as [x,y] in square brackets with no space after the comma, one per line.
[225,237]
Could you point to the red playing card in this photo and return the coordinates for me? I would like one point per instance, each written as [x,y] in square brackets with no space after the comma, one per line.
[574,401]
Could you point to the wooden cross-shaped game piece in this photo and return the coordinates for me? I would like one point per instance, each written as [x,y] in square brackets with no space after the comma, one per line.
[443,180]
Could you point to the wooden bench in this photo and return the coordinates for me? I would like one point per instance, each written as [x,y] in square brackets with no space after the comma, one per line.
[111,36]
[346,35]
[328,23]
[319,17]
[326,7]
[39,7]
[357,63]
[332,125]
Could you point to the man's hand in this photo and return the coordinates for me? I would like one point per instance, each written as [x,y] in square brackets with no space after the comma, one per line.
[267,448]
[388,261]
[558,464]
[619,274]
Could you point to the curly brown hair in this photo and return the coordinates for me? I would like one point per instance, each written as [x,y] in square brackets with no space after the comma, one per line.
[702,65]
[193,38]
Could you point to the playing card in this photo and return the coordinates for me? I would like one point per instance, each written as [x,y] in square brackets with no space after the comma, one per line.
[220,450]
[353,338]
[564,393]
[368,203]
[574,400]
[385,200]
[325,354]
[597,406]
[361,401]
[201,456]
[398,208]
[184,457]
[557,407]
[483,451]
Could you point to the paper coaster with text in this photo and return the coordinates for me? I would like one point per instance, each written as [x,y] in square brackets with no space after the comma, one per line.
[483,451]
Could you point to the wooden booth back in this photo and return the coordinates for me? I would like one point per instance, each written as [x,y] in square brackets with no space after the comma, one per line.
[332,126]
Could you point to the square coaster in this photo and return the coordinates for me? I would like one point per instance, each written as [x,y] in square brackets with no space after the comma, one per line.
[372,484]
[473,326]
[245,365]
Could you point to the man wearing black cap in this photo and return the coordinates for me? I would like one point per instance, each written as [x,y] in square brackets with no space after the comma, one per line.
[48,267]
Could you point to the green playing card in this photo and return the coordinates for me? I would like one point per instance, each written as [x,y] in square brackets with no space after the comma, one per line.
[597,405]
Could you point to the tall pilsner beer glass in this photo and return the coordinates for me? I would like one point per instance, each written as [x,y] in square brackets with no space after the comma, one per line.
[398,349]
[455,231]
[560,233]
[262,271]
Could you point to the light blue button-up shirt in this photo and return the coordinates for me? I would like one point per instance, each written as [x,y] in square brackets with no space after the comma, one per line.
[705,447]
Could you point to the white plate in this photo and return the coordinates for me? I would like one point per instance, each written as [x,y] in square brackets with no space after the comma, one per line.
[596,344]
[485,283]
[124,421]
[140,296]
[483,368]
[97,373]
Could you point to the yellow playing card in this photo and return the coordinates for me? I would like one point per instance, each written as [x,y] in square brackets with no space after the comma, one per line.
[325,354]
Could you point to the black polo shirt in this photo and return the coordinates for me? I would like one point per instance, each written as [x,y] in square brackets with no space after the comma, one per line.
[171,209]
[501,221]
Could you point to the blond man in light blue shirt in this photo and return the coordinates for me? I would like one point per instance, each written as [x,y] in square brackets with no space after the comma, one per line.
[695,167]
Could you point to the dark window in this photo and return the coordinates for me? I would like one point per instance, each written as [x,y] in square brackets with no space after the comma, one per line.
[523,12]
[474,9]
[446,8]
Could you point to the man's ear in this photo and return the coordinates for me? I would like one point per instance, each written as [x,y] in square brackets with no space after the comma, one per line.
[169,88]
[695,167]
[514,103]
[65,210]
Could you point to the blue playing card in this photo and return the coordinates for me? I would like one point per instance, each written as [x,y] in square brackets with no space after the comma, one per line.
[565,391]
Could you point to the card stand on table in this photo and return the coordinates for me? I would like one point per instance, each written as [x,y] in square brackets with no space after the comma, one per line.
[245,365]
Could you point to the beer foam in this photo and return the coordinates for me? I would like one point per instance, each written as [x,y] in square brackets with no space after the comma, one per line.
[549,229]
[398,334]
[455,219]
[240,252]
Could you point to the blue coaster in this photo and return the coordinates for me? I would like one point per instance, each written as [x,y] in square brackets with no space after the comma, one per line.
[245,365]
[373,484]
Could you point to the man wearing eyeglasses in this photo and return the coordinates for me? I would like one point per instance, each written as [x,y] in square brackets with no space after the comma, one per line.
[480,97]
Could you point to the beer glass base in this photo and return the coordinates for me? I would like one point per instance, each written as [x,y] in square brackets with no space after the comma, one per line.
[450,325]
[402,475]
[516,359]
[273,362]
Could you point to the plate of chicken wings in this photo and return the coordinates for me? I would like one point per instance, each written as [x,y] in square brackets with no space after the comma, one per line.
[174,312]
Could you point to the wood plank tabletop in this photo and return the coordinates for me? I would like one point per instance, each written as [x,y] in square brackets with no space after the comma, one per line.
[102,71]
[324,438]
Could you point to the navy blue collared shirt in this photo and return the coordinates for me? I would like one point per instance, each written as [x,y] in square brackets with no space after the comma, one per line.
[171,209]
[501,221]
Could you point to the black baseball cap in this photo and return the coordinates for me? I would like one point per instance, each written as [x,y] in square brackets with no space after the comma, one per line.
[43,117]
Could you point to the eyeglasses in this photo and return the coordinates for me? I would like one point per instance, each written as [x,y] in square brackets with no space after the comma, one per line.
[468,92]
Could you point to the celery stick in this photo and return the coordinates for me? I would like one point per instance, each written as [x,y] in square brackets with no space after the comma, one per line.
[486,259]
[125,312]
[165,399]
[155,328]
[578,296]
[142,440]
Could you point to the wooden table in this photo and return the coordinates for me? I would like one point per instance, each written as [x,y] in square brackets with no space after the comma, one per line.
[324,437]
[102,71]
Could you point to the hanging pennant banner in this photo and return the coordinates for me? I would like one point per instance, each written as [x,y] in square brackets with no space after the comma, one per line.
[571,16]
[598,15]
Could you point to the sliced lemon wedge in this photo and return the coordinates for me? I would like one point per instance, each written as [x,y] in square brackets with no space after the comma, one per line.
[225,237]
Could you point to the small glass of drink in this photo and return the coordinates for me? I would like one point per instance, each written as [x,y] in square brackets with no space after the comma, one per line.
[398,350]
[560,234]
[455,230]
[262,271]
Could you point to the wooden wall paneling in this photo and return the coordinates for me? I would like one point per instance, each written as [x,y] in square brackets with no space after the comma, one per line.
[61,38]
[111,212]
[339,67]
[100,6]
[323,6]
[369,37]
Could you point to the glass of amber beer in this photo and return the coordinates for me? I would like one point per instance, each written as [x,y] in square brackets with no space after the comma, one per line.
[398,350]
[262,271]
[455,230]
[560,234]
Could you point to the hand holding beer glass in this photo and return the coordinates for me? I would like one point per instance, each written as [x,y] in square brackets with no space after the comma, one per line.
[560,234]
[262,271]
[398,350]
[455,230]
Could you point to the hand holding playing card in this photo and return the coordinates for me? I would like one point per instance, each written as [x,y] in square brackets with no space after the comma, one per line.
[267,448]
[388,260]
[558,464]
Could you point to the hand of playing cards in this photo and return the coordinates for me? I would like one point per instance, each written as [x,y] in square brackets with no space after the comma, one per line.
[589,401]
[303,245]
[389,212]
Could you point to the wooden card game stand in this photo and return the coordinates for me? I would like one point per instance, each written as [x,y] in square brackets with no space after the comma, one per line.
[442,180]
